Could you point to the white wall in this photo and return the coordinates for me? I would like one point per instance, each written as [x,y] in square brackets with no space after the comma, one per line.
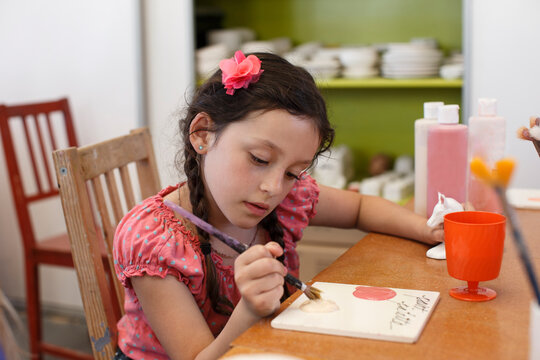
[91,53]
[170,75]
[503,54]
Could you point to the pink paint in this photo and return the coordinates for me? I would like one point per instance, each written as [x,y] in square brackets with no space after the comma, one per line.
[447,163]
[373,293]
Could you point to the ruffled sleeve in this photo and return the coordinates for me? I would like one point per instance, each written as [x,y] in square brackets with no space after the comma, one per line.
[150,240]
[298,207]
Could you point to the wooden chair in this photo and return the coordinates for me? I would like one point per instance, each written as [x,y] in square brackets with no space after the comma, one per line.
[93,205]
[30,133]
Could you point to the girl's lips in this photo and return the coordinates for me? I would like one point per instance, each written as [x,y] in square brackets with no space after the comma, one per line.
[258,209]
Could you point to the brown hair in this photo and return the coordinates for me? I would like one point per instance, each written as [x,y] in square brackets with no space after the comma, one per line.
[281,86]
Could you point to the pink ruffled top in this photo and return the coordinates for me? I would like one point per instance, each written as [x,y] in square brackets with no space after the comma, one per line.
[150,240]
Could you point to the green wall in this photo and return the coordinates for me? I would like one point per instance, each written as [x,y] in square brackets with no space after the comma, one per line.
[370,120]
[346,21]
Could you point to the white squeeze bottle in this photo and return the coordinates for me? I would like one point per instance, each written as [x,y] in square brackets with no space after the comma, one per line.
[447,163]
[487,141]
[421,126]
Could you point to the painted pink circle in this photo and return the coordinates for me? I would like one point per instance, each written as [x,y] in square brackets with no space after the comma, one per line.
[373,293]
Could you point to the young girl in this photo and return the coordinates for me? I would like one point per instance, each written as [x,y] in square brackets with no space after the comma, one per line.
[250,133]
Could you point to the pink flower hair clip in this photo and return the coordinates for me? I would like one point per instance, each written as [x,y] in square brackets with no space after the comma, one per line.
[240,71]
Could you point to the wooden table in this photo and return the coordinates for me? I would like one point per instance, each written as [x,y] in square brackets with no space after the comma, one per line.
[497,329]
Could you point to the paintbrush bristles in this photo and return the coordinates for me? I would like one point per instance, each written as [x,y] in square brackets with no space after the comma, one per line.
[504,169]
[481,171]
[523,133]
[499,177]
[312,293]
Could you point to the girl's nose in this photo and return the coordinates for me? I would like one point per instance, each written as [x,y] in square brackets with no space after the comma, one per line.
[272,183]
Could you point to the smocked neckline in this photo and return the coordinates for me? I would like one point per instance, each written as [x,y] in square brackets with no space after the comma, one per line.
[170,215]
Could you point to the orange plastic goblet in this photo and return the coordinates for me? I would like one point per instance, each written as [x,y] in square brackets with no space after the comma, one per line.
[474,242]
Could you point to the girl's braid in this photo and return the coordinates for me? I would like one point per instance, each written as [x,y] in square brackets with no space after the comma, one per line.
[271,224]
[220,304]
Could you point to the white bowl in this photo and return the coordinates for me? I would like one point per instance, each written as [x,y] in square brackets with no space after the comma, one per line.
[451,71]
[246,33]
[427,42]
[259,46]
[282,44]
[295,58]
[233,38]
[358,56]
[308,49]
[326,53]
[211,52]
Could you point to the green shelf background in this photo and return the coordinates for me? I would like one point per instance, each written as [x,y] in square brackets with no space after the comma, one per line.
[370,115]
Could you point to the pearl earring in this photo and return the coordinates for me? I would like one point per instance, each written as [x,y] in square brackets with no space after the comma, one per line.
[200,147]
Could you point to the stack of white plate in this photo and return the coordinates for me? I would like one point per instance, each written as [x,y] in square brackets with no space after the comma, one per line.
[410,60]
[359,62]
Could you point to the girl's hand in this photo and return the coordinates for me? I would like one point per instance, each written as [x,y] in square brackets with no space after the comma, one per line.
[259,277]
[434,235]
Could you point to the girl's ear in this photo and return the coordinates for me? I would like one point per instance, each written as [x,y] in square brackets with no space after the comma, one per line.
[200,135]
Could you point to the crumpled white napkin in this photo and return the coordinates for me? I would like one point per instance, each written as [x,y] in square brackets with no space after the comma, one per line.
[445,206]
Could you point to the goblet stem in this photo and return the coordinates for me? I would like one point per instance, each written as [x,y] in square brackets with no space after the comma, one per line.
[472,286]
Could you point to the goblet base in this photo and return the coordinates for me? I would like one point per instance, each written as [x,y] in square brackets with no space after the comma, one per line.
[473,292]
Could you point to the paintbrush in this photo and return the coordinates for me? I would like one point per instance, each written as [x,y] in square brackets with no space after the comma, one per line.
[311,292]
[499,179]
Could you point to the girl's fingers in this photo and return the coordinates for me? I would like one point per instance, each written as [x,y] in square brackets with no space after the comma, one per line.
[271,249]
[259,268]
[274,248]
[266,303]
[261,285]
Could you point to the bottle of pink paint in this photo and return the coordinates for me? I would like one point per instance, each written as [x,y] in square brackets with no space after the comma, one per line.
[447,165]
[487,141]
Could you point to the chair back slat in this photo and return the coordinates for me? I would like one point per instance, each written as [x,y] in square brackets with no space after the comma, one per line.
[50,131]
[114,196]
[44,154]
[129,195]
[87,178]
[31,153]
[104,215]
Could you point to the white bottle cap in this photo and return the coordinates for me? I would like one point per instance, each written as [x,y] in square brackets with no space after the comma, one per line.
[431,109]
[487,107]
[449,114]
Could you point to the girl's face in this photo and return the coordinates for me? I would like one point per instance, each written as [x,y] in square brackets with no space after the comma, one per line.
[254,163]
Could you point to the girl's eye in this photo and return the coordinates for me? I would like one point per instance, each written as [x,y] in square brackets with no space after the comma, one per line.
[258,160]
[293,176]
